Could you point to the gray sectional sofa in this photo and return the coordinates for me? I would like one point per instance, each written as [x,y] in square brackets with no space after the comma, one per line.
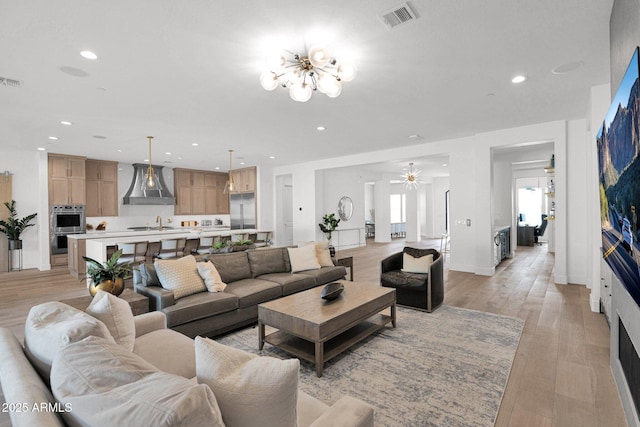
[252,277]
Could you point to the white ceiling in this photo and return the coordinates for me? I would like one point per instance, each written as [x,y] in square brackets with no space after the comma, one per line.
[187,72]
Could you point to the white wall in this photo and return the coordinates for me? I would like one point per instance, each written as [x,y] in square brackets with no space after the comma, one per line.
[27,191]
[440,188]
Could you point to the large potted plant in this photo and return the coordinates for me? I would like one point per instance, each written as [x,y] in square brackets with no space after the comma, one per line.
[108,277]
[328,226]
[14,227]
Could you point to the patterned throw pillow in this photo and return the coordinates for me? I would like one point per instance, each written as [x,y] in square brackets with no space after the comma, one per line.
[180,276]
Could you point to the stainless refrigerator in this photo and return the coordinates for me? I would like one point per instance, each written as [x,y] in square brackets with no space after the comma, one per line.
[243,211]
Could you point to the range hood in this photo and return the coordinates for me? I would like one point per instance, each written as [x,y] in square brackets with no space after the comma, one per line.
[137,196]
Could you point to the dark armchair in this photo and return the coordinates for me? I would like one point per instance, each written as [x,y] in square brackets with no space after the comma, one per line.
[539,230]
[424,291]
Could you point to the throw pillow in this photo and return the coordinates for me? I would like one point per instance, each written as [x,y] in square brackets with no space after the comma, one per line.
[411,264]
[52,326]
[180,276]
[251,390]
[322,252]
[105,384]
[211,277]
[303,258]
[116,314]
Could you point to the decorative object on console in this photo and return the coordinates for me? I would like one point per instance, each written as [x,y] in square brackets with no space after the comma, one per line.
[411,178]
[108,277]
[303,75]
[14,227]
[230,184]
[151,181]
[328,226]
[345,208]
[332,291]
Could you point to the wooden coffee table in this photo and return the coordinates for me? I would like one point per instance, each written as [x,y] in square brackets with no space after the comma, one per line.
[317,330]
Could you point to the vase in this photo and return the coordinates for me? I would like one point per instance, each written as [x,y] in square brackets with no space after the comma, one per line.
[15,244]
[113,287]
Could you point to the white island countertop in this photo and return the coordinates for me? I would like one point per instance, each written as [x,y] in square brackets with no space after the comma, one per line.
[97,246]
[151,231]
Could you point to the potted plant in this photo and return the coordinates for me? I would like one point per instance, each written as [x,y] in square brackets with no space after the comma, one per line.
[220,248]
[242,245]
[108,277]
[328,226]
[13,227]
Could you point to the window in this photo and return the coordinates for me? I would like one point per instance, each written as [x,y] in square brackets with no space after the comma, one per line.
[398,211]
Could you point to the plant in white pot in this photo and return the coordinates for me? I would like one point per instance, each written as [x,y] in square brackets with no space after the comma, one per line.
[14,227]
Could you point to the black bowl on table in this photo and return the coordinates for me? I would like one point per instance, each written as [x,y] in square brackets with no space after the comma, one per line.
[332,291]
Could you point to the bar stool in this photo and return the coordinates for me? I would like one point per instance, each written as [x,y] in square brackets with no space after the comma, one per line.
[444,246]
[204,244]
[134,252]
[172,248]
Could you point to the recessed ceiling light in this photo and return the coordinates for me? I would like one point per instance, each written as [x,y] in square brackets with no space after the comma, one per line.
[88,54]
[445,164]
[99,137]
[272,157]
[55,138]
[217,168]
[146,160]
[321,128]
[242,163]
[119,151]
[518,79]
[415,136]
[195,144]
[167,153]
[66,123]
[42,149]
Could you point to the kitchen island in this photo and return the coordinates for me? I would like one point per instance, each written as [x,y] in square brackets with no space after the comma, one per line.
[97,245]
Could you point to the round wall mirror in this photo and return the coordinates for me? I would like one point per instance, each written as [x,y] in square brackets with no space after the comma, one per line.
[345,208]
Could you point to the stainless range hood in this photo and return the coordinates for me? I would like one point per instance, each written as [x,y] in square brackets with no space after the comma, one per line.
[137,196]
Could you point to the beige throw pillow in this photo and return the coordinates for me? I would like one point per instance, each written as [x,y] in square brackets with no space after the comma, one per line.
[52,326]
[107,385]
[303,258]
[180,276]
[322,252]
[211,277]
[416,265]
[251,390]
[116,314]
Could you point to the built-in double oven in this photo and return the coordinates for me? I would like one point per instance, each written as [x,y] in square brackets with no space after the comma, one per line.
[65,220]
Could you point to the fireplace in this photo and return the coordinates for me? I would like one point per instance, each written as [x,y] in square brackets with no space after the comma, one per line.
[630,363]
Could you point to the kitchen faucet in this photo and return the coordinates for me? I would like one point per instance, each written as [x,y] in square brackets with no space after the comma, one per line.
[159,221]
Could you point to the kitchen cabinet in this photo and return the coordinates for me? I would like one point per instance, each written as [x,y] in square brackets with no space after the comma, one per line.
[102,188]
[77,265]
[59,260]
[245,180]
[199,192]
[66,180]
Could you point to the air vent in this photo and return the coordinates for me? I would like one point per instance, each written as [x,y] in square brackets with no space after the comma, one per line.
[398,15]
[10,82]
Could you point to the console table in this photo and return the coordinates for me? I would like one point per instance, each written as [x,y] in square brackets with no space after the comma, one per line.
[139,303]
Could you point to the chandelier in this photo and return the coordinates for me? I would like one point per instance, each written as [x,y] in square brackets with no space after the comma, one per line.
[303,74]
[151,180]
[410,178]
[230,184]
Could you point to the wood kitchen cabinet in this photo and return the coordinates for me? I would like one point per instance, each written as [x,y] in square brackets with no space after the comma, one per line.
[77,265]
[245,180]
[102,188]
[199,192]
[66,180]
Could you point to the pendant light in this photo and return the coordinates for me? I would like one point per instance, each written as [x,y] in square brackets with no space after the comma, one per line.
[151,181]
[230,185]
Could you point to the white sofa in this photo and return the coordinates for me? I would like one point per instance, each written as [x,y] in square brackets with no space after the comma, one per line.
[30,400]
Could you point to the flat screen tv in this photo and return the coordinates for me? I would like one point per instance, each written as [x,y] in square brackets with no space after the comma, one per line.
[618,142]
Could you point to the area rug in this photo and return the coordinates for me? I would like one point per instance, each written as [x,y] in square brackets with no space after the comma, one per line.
[447,368]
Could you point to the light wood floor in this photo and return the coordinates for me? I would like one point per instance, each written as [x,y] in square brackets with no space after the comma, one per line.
[560,376]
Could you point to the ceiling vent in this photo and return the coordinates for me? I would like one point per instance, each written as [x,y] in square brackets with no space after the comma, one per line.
[10,82]
[399,15]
